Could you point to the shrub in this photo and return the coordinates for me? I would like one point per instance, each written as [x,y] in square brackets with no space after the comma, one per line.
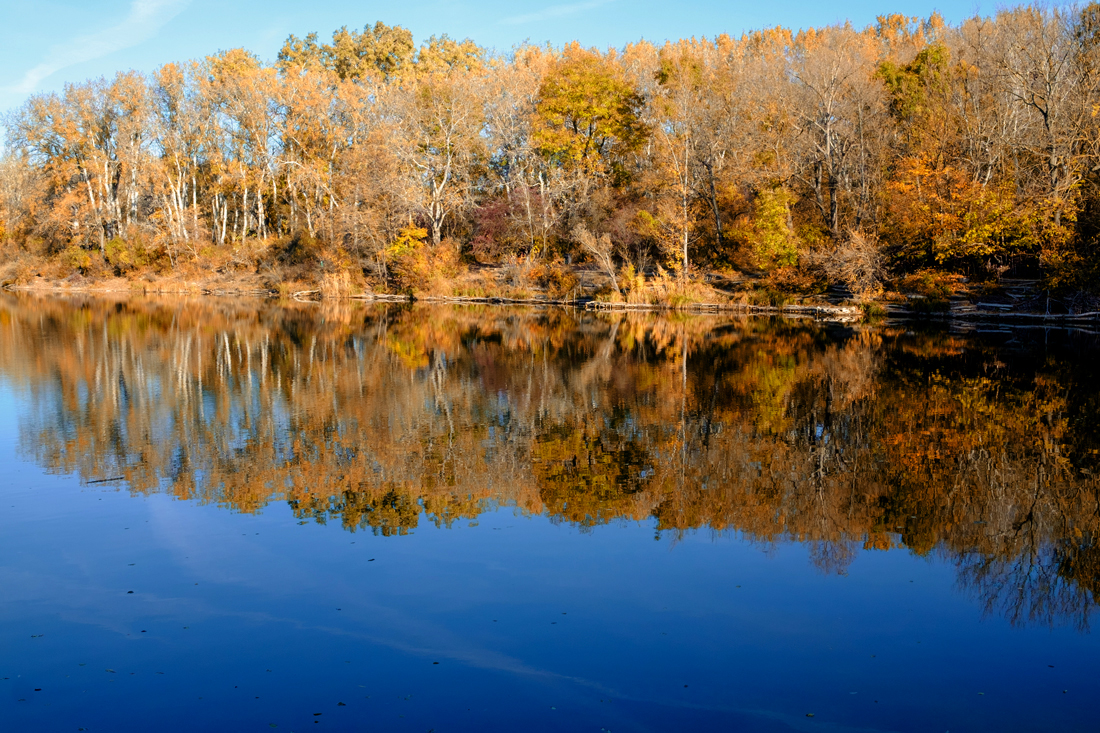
[555,278]
[856,263]
[633,283]
[18,271]
[794,281]
[873,311]
[301,249]
[125,255]
[76,259]
[769,296]
[931,284]
[774,243]
[417,265]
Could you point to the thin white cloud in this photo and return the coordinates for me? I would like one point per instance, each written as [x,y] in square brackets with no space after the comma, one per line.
[554,11]
[145,18]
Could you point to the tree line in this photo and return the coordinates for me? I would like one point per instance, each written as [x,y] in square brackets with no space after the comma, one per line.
[835,153]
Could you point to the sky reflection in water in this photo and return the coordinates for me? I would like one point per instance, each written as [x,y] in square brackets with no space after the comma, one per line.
[558,521]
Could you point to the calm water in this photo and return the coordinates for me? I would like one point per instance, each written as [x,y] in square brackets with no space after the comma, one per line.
[232,515]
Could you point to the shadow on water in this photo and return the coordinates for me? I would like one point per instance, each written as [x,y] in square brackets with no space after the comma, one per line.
[979,449]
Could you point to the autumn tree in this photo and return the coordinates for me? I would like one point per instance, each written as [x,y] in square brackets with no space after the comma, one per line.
[381,50]
[836,101]
[530,188]
[437,136]
[588,117]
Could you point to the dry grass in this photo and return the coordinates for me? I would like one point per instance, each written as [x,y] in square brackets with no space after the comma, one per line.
[336,284]
[680,291]
[20,270]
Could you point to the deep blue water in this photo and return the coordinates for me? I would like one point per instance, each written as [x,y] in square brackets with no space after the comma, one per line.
[129,611]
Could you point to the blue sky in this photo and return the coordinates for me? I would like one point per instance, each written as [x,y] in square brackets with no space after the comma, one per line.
[49,43]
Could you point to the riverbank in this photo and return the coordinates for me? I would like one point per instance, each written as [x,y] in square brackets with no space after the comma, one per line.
[1002,300]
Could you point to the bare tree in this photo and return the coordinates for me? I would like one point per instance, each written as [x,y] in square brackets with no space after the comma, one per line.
[601,251]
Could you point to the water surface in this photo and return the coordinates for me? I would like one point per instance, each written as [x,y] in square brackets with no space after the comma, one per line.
[234,515]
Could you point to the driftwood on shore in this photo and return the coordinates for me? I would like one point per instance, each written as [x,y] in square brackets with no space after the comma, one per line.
[846,312]
[388,298]
[852,312]
[981,311]
[588,304]
[1003,315]
[823,311]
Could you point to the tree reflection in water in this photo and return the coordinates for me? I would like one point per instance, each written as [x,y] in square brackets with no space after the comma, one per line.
[982,450]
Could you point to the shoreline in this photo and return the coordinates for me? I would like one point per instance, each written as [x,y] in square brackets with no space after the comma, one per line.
[845,313]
